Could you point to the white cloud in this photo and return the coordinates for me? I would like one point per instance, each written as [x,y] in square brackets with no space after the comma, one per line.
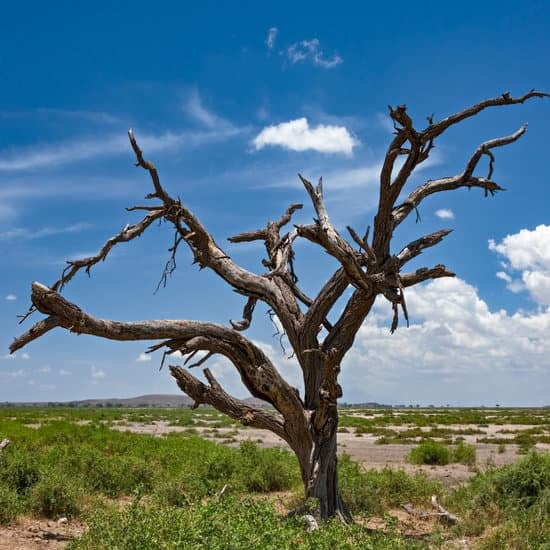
[97,373]
[45,370]
[271,37]
[143,357]
[25,356]
[195,109]
[64,372]
[10,297]
[296,135]
[82,149]
[62,153]
[527,252]
[454,336]
[20,233]
[310,50]
[445,214]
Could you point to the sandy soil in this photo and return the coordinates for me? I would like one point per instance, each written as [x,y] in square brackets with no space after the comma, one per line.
[32,534]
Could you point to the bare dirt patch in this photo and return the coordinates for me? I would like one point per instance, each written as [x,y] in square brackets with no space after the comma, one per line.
[32,534]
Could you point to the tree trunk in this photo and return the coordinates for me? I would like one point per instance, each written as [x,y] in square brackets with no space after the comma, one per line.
[318,464]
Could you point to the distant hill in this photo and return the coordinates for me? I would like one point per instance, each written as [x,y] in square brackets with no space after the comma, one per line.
[152,400]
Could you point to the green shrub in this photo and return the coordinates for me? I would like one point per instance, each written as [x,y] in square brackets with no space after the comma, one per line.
[223,524]
[515,500]
[10,504]
[55,496]
[464,454]
[265,470]
[19,470]
[371,492]
[430,452]
[182,490]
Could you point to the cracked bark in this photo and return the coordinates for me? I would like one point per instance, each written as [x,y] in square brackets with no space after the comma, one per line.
[318,336]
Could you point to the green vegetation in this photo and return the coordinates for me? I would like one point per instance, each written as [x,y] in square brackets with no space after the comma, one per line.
[434,452]
[430,452]
[515,500]
[180,490]
[223,524]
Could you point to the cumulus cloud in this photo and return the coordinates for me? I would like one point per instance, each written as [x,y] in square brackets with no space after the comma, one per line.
[271,37]
[445,214]
[526,254]
[310,50]
[297,135]
[454,339]
[10,297]
[64,372]
[143,357]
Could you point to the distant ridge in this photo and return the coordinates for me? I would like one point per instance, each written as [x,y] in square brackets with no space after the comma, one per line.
[150,400]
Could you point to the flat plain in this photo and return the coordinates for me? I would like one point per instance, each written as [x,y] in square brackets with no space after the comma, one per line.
[70,474]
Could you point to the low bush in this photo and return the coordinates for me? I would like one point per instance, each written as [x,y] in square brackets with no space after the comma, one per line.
[430,452]
[19,470]
[53,496]
[10,504]
[514,501]
[266,470]
[464,454]
[229,523]
[372,492]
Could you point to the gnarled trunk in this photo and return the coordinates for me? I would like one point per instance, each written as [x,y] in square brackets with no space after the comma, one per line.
[319,468]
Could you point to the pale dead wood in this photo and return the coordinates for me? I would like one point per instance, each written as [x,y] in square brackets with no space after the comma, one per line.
[441,512]
[3,444]
[319,336]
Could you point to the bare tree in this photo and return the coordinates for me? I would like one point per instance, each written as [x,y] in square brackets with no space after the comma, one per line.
[308,422]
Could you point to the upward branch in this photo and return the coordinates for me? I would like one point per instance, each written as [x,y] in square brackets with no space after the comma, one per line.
[415,146]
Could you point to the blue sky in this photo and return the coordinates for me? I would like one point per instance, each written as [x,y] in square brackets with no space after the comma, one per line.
[231,102]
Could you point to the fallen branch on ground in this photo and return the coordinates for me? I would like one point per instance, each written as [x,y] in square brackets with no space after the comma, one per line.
[441,512]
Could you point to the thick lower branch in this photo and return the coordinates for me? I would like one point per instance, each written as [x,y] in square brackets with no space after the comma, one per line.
[214,395]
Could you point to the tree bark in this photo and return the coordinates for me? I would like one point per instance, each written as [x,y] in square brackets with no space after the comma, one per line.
[320,475]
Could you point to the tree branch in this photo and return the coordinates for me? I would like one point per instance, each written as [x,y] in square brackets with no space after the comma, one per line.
[215,395]
[436,129]
[420,145]
[416,247]
[436,186]
[329,238]
[36,331]
[256,370]
[424,274]
[485,149]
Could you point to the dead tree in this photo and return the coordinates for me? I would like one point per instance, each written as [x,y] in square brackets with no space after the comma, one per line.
[367,263]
